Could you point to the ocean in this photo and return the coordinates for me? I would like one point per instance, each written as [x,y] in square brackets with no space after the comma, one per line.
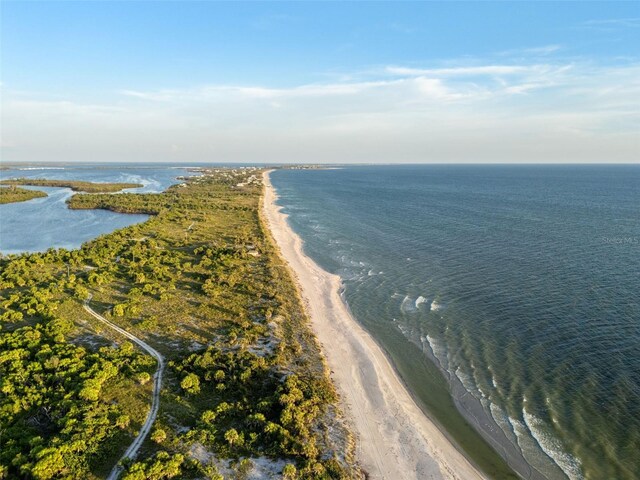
[519,286]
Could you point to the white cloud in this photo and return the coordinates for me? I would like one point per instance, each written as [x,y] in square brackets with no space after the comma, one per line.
[611,23]
[465,71]
[541,51]
[479,112]
[545,50]
[214,92]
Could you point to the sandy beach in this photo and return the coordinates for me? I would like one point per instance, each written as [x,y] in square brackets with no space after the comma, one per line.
[395,440]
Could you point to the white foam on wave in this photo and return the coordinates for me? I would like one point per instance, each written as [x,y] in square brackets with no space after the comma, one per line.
[41,168]
[402,328]
[552,446]
[438,350]
[435,306]
[533,451]
[528,446]
[408,305]
[542,451]
[467,381]
[494,381]
[523,439]
[476,374]
[551,411]
[502,419]
[420,300]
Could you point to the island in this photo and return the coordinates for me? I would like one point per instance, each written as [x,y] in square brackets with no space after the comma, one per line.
[76,186]
[15,194]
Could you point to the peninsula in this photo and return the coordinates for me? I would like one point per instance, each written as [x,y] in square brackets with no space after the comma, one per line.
[15,194]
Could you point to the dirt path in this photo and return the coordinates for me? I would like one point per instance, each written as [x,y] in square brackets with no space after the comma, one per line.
[132,451]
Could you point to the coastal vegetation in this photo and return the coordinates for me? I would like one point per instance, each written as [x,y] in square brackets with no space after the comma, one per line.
[245,386]
[16,194]
[76,186]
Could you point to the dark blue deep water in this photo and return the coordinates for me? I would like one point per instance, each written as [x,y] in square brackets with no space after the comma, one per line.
[521,282]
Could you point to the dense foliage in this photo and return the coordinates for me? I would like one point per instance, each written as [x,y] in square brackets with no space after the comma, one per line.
[201,282]
[15,194]
[54,415]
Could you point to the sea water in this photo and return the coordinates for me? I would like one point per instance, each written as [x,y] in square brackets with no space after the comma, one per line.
[522,283]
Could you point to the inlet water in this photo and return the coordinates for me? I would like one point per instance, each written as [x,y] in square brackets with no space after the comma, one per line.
[43,223]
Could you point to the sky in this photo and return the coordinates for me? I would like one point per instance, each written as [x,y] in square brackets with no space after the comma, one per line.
[320,82]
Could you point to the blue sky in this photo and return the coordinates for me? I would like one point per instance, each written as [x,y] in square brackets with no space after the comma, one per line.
[321,82]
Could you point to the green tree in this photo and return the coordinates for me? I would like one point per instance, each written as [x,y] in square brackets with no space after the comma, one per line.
[158,435]
[289,472]
[123,421]
[233,437]
[208,416]
[143,378]
[191,384]
[49,465]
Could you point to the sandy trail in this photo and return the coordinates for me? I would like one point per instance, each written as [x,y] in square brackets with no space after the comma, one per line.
[395,440]
[132,451]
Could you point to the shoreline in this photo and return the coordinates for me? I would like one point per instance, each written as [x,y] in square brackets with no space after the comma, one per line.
[395,439]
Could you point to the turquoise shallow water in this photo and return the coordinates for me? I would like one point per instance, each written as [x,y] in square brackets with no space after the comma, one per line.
[521,282]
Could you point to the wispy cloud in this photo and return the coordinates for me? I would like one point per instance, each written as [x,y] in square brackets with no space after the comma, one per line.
[213,92]
[545,50]
[632,22]
[421,86]
[480,111]
[466,71]
[541,51]
[395,84]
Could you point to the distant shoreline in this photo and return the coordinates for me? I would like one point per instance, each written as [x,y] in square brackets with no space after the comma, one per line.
[75,185]
[395,439]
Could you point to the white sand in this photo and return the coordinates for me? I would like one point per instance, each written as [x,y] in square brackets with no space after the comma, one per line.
[395,440]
